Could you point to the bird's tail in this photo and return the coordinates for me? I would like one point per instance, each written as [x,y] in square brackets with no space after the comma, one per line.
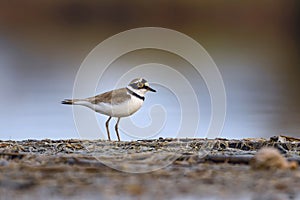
[69,101]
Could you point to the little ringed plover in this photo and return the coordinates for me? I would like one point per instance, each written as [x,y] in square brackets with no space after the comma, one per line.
[118,103]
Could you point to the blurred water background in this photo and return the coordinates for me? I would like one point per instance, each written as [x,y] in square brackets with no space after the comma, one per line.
[254,44]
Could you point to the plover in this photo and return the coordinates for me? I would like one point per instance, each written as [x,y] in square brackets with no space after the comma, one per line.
[118,103]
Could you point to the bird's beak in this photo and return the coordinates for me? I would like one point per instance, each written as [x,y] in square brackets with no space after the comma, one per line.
[150,89]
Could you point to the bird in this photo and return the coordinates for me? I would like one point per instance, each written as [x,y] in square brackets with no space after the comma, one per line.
[118,103]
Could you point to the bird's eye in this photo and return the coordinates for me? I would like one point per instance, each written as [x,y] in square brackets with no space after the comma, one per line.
[140,85]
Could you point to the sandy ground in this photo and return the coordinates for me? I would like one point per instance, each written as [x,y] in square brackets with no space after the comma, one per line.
[149,169]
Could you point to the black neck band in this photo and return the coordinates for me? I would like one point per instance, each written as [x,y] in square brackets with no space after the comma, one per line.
[135,94]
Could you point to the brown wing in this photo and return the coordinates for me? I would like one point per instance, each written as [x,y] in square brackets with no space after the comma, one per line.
[113,97]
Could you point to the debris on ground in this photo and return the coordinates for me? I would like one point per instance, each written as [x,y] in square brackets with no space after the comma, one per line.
[165,168]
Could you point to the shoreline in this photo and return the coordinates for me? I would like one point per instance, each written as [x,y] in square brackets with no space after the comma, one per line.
[167,168]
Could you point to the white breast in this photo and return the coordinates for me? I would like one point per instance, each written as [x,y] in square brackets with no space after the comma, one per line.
[120,110]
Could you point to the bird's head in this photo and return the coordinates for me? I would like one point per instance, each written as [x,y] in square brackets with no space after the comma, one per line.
[140,86]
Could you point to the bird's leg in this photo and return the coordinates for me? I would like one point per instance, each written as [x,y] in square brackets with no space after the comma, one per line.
[116,128]
[107,128]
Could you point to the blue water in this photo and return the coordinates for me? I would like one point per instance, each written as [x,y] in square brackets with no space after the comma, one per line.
[33,83]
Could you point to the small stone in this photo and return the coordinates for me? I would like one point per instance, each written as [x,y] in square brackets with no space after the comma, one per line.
[270,158]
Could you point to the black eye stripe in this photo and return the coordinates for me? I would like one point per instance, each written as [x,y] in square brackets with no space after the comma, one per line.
[135,86]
